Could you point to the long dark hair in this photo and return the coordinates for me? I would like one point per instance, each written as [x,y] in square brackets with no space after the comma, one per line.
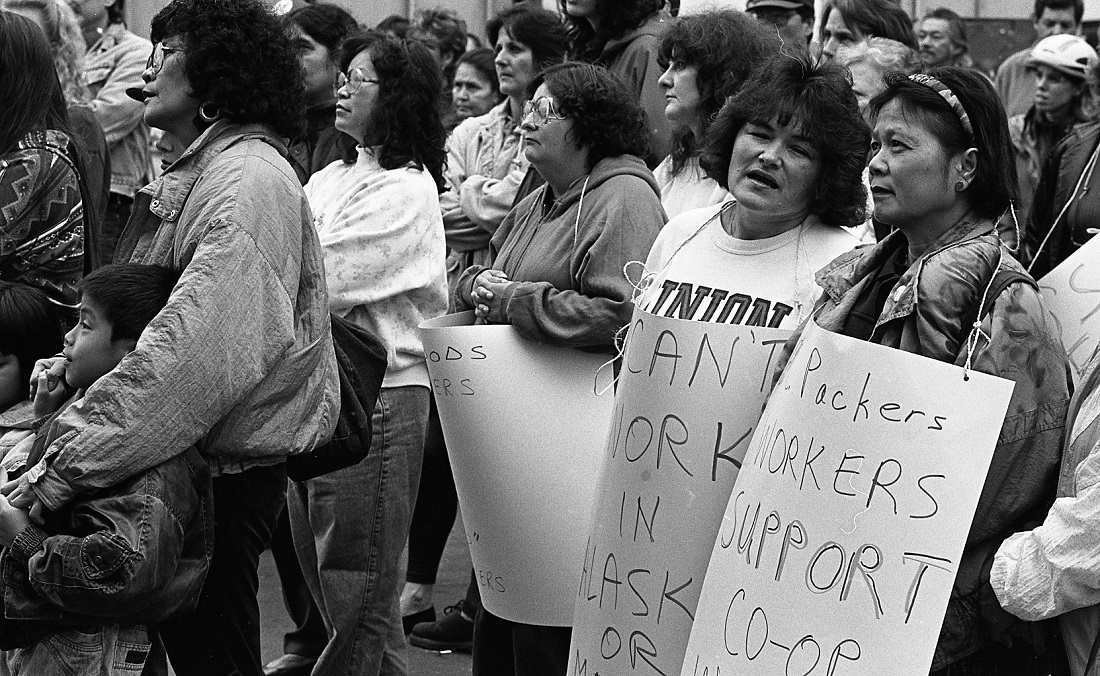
[407,115]
[29,86]
[616,19]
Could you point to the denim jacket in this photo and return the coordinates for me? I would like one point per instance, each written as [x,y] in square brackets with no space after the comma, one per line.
[240,361]
[137,552]
[112,65]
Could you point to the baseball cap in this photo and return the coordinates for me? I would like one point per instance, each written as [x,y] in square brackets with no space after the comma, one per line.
[778,4]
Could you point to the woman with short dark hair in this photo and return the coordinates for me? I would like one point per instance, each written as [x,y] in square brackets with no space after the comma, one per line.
[789,148]
[707,57]
[945,287]
[377,215]
[557,273]
[475,89]
[624,36]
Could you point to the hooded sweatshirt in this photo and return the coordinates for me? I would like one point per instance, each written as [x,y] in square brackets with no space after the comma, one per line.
[633,57]
[565,256]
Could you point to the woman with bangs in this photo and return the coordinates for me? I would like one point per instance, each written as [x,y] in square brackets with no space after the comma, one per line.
[707,58]
[378,219]
[770,147]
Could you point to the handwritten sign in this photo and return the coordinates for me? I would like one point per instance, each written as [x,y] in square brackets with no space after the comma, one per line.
[840,543]
[524,431]
[1071,292]
[689,396]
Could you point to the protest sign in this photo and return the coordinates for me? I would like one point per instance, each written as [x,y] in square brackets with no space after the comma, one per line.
[841,540]
[524,430]
[1071,292]
[688,398]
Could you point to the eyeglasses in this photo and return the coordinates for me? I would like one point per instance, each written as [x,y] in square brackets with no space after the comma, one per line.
[352,81]
[543,108]
[156,59]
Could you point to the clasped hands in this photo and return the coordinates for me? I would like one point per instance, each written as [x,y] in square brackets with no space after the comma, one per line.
[486,294]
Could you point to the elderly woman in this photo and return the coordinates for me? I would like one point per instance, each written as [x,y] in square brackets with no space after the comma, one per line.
[475,90]
[789,148]
[485,169]
[377,215]
[1061,64]
[42,232]
[624,36]
[846,22]
[707,57]
[943,286]
[241,357]
[557,275]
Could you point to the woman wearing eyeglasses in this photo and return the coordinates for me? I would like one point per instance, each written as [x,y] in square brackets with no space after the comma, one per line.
[378,218]
[557,274]
[241,357]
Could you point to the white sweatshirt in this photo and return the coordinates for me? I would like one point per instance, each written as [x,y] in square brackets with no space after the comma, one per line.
[382,238]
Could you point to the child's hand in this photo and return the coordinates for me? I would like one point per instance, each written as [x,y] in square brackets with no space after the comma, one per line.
[54,370]
[12,519]
[48,395]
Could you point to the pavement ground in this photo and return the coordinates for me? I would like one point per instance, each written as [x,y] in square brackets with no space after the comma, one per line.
[454,574]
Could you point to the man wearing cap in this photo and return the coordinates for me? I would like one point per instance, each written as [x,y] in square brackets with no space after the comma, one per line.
[793,20]
[1014,81]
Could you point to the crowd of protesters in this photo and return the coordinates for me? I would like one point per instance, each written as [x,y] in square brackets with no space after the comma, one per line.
[178,328]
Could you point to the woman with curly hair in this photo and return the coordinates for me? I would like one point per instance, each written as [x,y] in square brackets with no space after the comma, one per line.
[59,23]
[241,357]
[378,218]
[707,57]
[789,148]
[42,229]
[557,274]
[624,36]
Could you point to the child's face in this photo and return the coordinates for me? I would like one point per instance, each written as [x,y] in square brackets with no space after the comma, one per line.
[89,348]
[12,387]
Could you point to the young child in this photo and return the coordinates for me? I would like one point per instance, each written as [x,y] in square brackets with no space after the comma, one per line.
[30,329]
[79,590]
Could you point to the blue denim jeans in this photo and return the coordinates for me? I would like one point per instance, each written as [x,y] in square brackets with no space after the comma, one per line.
[111,651]
[349,528]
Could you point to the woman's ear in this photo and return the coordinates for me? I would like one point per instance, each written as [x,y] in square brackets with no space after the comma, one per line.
[966,166]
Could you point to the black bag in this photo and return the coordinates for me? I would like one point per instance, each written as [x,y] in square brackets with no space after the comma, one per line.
[361,362]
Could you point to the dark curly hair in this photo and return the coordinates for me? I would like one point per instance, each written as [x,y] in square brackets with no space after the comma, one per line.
[995,181]
[606,117]
[725,47]
[537,29]
[616,19]
[240,59]
[443,28]
[407,115]
[874,19]
[819,99]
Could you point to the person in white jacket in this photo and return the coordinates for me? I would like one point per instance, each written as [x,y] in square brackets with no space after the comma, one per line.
[1054,569]
[378,219]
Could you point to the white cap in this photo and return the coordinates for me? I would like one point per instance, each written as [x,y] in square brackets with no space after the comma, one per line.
[1068,54]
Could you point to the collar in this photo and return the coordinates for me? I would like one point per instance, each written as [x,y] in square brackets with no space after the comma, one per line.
[168,192]
[839,277]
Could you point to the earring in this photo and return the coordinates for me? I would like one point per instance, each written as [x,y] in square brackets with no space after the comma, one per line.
[209,113]
[960,186]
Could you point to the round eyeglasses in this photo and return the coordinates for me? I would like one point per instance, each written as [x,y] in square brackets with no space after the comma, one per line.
[160,53]
[543,108]
[352,81]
